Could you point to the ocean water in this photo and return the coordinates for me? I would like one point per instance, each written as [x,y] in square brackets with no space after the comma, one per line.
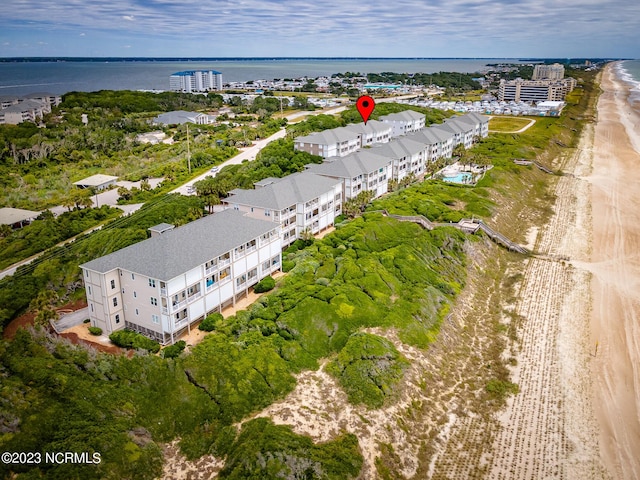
[629,70]
[21,78]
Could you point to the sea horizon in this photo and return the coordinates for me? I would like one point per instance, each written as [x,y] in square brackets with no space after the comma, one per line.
[61,75]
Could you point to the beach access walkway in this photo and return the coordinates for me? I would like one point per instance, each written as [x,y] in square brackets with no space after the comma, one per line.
[467,225]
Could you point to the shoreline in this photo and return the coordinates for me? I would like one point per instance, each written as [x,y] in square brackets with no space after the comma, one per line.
[615,268]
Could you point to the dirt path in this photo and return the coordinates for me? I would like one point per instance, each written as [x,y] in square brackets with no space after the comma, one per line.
[615,265]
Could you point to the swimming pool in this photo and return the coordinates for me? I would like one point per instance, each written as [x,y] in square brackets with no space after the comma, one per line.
[464,178]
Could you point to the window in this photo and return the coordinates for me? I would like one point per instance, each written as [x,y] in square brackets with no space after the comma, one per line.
[241,280]
[154,301]
[137,311]
[115,301]
[89,289]
[155,318]
[117,318]
[113,284]
[91,307]
[267,213]
[135,295]
[133,277]
[86,273]
[266,266]
[275,260]
[152,283]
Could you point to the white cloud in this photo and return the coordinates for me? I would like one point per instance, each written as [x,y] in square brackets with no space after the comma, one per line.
[350,27]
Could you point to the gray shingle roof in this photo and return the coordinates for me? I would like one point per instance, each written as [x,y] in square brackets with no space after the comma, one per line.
[372,126]
[437,133]
[329,137]
[352,165]
[295,188]
[471,118]
[405,116]
[175,252]
[177,117]
[430,135]
[400,147]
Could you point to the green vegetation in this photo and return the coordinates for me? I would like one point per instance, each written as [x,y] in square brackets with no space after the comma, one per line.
[501,389]
[368,368]
[129,339]
[173,351]
[38,165]
[265,451]
[508,124]
[97,331]
[48,230]
[264,285]
[210,322]
[451,80]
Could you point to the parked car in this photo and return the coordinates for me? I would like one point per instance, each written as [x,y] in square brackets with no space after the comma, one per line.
[214,169]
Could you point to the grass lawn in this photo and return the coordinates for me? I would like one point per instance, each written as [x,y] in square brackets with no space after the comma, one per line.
[508,124]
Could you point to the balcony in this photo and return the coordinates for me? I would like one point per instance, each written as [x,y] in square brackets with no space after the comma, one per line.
[163,292]
[194,296]
[178,305]
[211,269]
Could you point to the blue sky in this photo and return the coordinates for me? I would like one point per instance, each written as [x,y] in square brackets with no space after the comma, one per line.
[325,28]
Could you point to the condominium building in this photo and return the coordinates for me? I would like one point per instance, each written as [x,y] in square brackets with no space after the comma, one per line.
[195,81]
[372,132]
[548,72]
[300,202]
[404,122]
[439,142]
[159,287]
[408,157]
[357,172]
[29,108]
[338,142]
[520,90]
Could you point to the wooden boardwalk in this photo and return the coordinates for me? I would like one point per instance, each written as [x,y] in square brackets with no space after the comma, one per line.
[524,161]
[466,225]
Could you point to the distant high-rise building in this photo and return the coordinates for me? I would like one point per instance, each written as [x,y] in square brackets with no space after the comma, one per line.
[195,81]
[520,90]
[548,72]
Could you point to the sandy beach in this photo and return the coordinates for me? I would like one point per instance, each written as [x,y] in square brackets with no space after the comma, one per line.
[615,265]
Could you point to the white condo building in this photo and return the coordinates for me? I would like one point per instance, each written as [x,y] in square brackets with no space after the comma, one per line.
[357,172]
[195,81]
[408,157]
[404,122]
[335,142]
[159,287]
[300,202]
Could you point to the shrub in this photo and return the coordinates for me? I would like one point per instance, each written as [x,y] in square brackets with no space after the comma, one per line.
[86,320]
[130,339]
[264,285]
[172,351]
[97,331]
[288,265]
[209,323]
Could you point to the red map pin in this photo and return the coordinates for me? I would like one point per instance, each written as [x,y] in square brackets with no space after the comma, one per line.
[365,106]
